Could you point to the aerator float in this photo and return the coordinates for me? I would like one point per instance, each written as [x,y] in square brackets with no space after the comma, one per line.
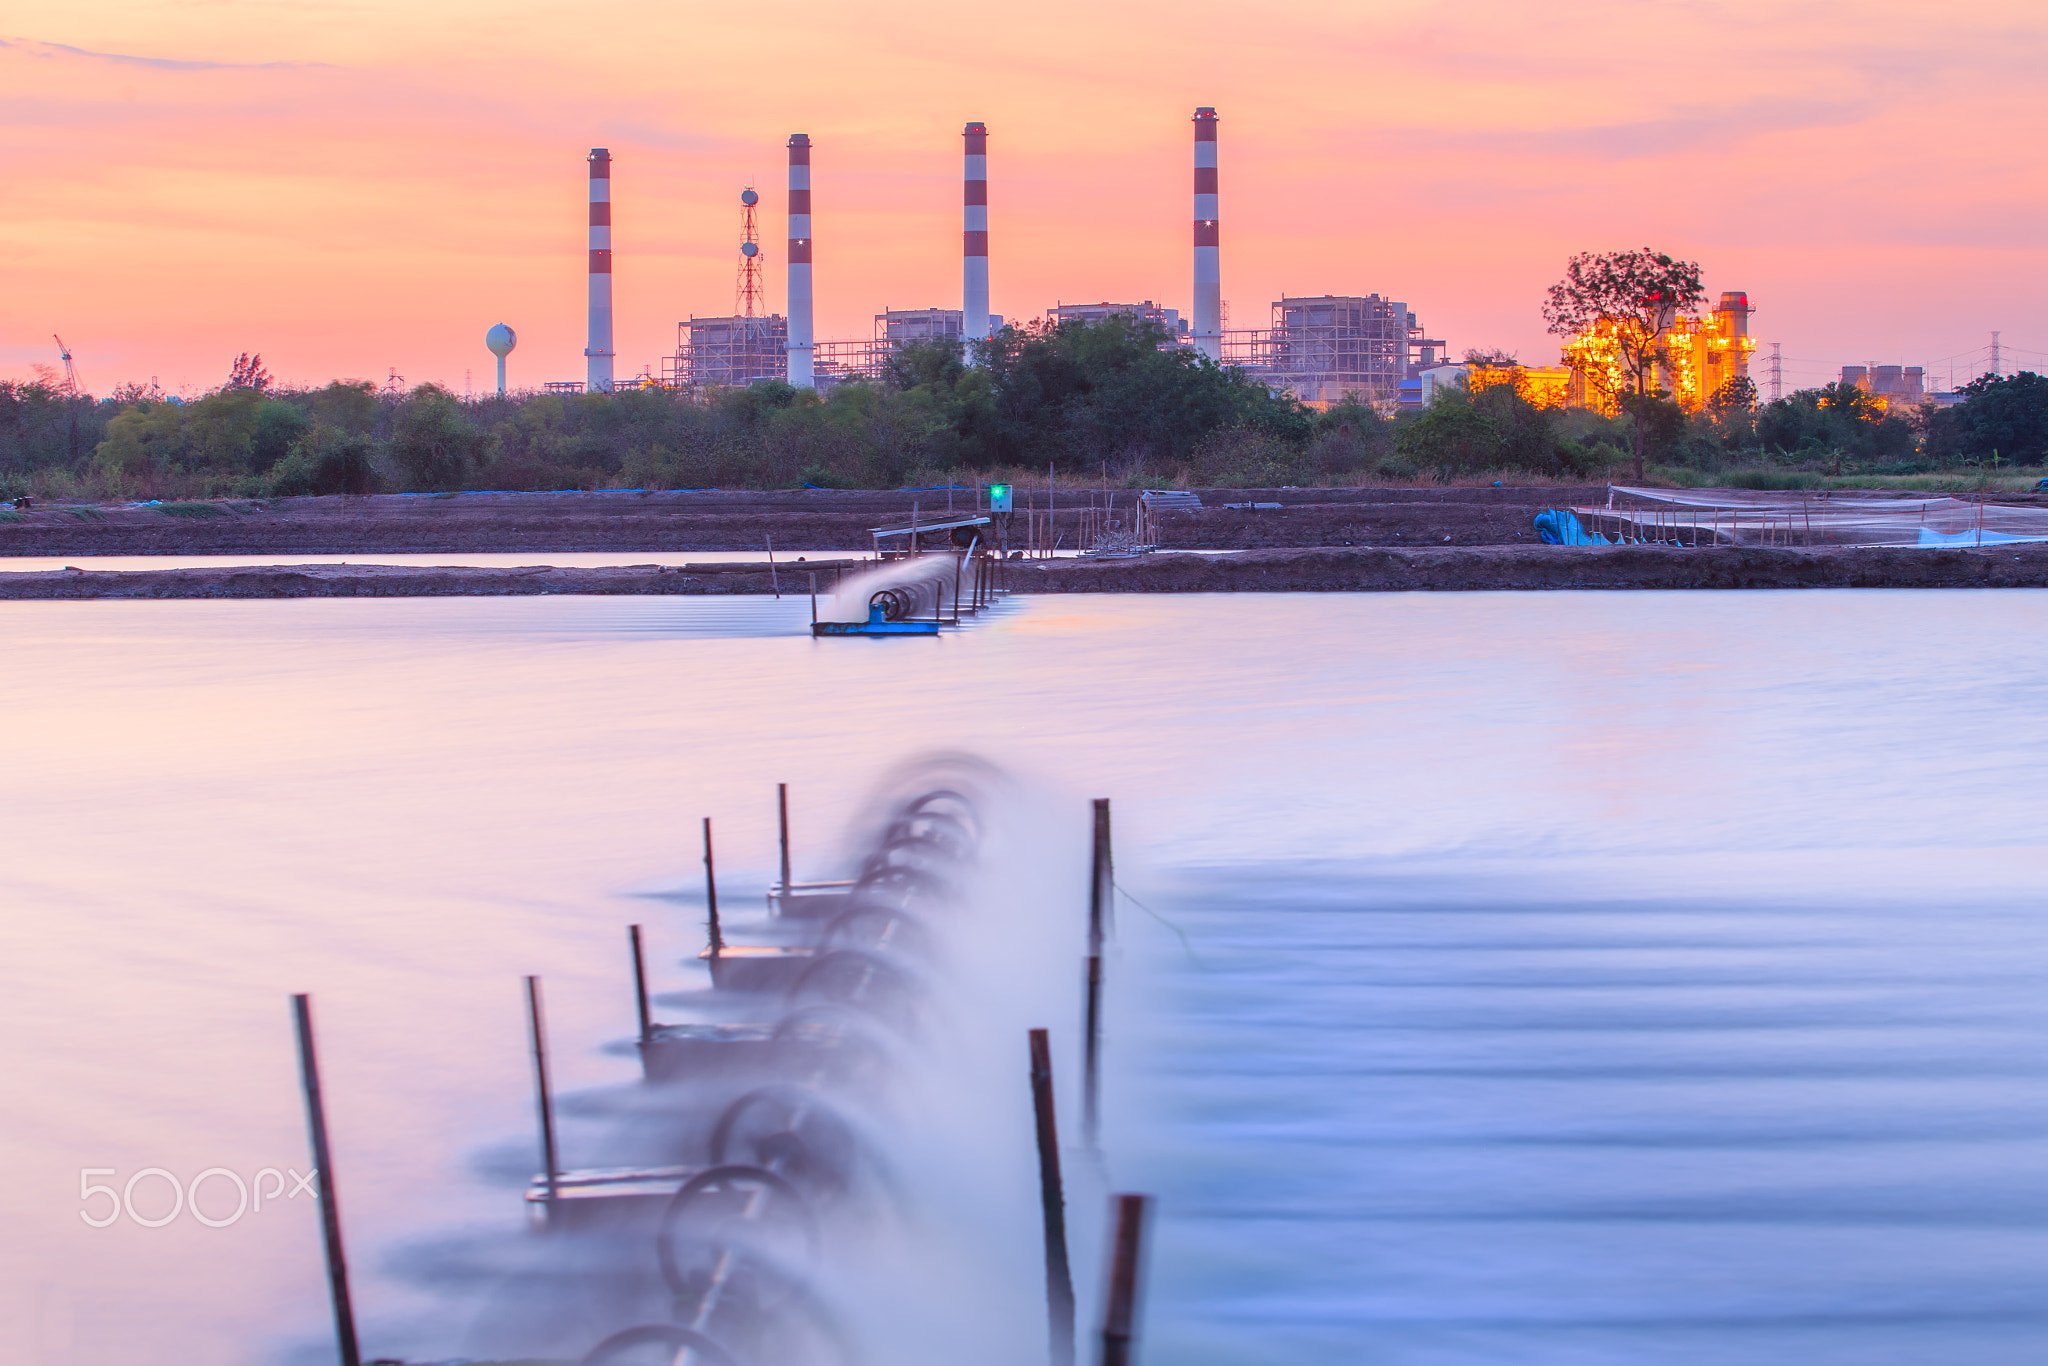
[770,1105]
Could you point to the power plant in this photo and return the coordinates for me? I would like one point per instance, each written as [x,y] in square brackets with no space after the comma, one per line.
[1321,350]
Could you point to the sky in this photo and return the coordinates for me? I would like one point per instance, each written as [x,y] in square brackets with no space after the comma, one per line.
[356,187]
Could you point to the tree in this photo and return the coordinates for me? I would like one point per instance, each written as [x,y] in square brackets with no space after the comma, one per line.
[1737,395]
[1629,299]
[1831,422]
[2006,415]
[434,441]
[248,373]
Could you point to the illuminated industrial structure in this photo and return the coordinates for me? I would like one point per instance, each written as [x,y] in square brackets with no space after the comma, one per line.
[1546,386]
[1888,384]
[1335,347]
[1695,357]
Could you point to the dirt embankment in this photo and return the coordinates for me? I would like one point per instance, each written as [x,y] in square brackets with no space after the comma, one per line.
[422,581]
[807,519]
[1541,567]
[1353,570]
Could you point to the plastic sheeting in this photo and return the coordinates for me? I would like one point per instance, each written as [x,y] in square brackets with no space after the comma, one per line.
[1561,526]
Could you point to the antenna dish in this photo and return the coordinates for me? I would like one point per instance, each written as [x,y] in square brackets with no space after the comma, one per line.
[749,198]
[749,249]
[501,339]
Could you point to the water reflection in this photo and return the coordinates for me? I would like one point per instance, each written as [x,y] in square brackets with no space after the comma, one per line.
[1660,988]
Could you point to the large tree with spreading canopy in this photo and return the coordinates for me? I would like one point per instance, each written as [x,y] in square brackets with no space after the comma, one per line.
[1630,299]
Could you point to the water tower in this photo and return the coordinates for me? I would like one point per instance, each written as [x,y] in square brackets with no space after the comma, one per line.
[501,339]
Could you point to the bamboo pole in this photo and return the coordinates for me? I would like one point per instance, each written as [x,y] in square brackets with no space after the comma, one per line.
[543,1096]
[1059,1276]
[782,827]
[711,895]
[1120,1312]
[640,986]
[323,1165]
[1100,882]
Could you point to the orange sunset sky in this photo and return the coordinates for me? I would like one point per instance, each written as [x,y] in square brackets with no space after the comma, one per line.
[352,186]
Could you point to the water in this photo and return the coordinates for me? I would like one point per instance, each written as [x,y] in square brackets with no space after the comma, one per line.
[1557,978]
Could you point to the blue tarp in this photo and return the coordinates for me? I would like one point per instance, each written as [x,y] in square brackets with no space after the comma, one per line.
[1930,537]
[1561,526]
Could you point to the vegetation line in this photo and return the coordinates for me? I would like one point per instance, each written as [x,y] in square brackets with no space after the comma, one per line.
[1083,404]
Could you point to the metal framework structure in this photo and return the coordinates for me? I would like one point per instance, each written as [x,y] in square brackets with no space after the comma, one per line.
[1324,350]
[746,295]
[728,351]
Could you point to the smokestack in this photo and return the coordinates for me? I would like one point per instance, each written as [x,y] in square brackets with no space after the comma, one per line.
[599,351]
[974,266]
[1208,270]
[801,373]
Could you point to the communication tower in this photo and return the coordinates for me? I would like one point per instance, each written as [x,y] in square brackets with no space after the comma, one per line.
[747,299]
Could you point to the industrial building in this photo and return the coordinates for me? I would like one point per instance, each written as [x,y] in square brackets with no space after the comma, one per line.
[1546,386]
[752,344]
[1168,318]
[1901,384]
[1696,357]
[737,350]
[895,328]
[1324,350]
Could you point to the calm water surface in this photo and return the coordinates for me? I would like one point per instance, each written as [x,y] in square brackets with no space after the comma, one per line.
[1563,978]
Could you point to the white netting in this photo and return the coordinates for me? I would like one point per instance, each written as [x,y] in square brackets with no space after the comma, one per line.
[1806,518]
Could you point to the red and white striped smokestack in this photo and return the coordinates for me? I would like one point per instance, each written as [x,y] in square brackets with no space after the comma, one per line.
[599,351]
[801,372]
[974,265]
[1208,269]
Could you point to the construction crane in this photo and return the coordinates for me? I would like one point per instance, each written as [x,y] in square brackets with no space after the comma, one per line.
[70,371]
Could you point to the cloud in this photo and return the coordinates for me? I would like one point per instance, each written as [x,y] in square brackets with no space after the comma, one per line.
[1683,130]
[35,48]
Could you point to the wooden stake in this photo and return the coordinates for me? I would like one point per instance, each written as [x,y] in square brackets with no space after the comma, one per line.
[782,821]
[1101,881]
[323,1165]
[543,1097]
[1120,1313]
[640,986]
[711,894]
[1059,1276]
[1091,1053]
